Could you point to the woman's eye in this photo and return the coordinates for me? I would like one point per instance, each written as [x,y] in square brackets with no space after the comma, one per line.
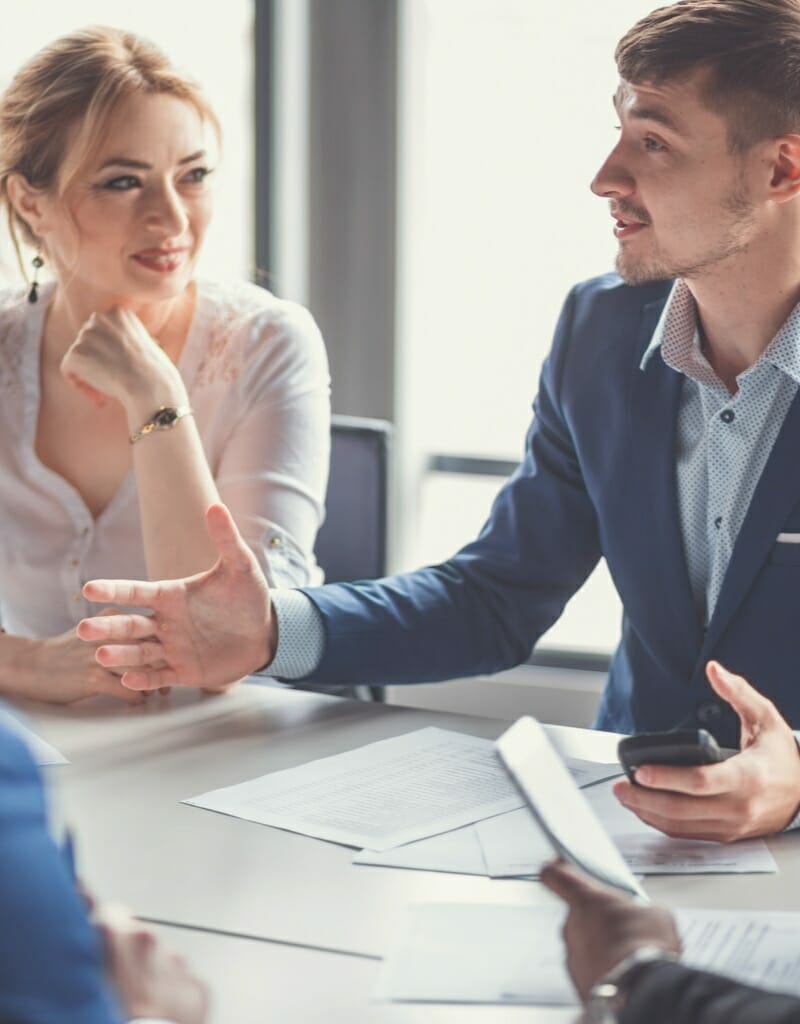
[197,175]
[122,184]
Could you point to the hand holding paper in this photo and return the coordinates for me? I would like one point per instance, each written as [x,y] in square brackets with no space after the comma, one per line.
[604,927]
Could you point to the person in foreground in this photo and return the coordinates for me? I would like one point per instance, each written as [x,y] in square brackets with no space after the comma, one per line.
[133,393]
[665,439]
[622,958]
[219,625]
[57,966]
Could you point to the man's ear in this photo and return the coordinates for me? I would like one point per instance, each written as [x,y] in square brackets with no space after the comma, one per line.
[28,202]
[785,159]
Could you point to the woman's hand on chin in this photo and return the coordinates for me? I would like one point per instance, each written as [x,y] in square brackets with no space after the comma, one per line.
[115,357]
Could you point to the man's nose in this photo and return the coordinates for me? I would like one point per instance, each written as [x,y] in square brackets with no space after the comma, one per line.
[612,179]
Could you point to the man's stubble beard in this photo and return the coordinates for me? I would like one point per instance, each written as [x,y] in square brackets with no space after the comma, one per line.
[736,212]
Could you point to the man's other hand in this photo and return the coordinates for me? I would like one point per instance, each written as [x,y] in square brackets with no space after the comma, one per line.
[754,793]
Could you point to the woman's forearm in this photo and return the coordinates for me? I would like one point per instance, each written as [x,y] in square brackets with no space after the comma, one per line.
[175,488]
[17,675]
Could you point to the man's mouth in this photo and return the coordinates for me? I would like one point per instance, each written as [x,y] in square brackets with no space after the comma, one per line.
[625,227]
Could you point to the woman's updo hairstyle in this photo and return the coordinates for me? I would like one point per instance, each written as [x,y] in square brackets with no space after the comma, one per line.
[56,110]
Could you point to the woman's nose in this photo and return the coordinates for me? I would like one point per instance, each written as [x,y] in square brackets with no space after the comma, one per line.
[167,210]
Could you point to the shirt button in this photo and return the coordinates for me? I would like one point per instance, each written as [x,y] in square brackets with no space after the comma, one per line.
[718,522]
[727,415]
[76,597]
[709,712]
[73,562]
[85,531]
[274,542]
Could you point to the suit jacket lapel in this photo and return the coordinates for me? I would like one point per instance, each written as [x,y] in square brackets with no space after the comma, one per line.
[775,495]
[655,399]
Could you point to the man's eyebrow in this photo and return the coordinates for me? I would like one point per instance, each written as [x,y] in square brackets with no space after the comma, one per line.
[653,114]
[140,165]
[642,113]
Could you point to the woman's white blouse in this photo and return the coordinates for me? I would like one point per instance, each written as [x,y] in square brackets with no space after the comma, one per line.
[257,376]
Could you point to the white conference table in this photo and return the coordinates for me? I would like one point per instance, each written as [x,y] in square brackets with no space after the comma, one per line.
[254,982]
[248,883]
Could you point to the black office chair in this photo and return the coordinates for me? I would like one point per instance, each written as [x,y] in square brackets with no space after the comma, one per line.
[351,545]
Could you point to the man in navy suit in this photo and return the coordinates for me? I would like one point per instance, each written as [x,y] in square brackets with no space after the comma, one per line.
[52,959]
[665,438]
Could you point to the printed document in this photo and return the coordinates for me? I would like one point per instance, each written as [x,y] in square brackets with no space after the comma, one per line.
[498,953]
[381,795]
[460,851]
[560,808]
[513,845]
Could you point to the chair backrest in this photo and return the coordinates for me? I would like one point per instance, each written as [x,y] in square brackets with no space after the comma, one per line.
[351,544]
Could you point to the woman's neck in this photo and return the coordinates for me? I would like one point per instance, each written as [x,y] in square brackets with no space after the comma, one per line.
[167,321]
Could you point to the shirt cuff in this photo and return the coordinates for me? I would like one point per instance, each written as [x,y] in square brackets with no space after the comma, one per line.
[301,636]
[795,822]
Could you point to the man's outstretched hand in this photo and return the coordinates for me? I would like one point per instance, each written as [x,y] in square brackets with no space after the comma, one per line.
[207,630]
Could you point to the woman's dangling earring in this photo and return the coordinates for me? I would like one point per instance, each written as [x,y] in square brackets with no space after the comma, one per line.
[38,263]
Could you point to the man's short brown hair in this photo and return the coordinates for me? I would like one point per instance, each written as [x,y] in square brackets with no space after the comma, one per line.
[749,48]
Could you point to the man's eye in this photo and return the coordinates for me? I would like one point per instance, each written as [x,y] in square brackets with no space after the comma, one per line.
[197,175]
[653,145]
[122,184]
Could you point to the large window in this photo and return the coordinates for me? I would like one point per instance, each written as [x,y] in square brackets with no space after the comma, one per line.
[505,114]
[214,45]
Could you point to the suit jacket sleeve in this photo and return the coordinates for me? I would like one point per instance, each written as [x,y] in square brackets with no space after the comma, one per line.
[664,993]
[51,969]
[484,608]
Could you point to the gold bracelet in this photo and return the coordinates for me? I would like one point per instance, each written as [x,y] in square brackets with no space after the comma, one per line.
[164,418]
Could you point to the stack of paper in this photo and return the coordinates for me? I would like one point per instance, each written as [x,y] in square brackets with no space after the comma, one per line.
[436,800]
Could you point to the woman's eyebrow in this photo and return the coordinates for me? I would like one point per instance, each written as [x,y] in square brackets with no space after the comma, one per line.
[141,165]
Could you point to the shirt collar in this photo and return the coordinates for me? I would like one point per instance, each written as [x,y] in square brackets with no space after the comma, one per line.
[677,337]
[784,349]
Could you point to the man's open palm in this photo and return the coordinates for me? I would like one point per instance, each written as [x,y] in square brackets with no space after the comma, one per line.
[207,630]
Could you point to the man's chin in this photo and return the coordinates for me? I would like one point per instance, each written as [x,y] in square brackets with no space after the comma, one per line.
[636,272]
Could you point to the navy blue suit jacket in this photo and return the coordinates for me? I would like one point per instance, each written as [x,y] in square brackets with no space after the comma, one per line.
[51,969]
[597,478]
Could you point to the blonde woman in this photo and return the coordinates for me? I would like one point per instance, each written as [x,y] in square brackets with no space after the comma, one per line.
[133,395]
